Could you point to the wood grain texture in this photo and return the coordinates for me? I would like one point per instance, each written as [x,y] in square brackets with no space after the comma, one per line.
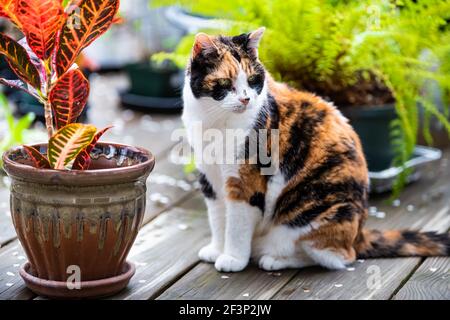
[12,286]
[374,279]
[431,281]
[205,283]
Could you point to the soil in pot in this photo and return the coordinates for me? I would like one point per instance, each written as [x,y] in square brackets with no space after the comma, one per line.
[87,220]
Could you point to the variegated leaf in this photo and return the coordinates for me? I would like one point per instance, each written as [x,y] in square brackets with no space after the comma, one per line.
[67,143]
[8,10]
[69,97]
[87,20]
[19,61]
[83,160]
[40,22]
[38,159]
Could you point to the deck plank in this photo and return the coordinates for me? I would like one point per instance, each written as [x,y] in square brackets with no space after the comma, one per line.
[12,286]
[204,282]
[361,283]
[431,281]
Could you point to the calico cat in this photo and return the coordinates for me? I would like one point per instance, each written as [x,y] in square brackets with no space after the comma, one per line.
[312,209]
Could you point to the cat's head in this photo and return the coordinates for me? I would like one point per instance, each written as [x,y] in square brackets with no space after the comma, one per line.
[225,72]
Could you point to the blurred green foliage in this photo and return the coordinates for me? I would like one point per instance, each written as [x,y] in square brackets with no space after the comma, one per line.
[351,49]
[15,128]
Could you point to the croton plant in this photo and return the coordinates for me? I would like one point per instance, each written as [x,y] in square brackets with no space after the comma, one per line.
[55,32]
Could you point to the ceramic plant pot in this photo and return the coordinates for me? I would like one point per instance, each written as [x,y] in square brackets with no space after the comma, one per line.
[87,219]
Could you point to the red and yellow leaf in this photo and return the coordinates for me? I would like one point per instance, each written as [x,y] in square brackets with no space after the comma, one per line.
[118,20]
[87,20]
[67,143]
[6,7]
[40,21]
[69,97]
[83,160]
[8,10]
[19,61]
[39,160]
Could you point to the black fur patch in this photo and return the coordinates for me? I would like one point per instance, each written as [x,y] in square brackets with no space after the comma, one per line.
[350,191]
[219,92]
[258,200]
[301,136]
[412,237]
[307,216]
[202,65]
[206,187]
[344,213]
[269,112]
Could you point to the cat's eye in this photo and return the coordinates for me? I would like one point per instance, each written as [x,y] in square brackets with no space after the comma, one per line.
[224,83]
[253,79]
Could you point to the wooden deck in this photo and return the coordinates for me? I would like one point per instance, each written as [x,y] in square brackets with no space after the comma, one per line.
[175,227]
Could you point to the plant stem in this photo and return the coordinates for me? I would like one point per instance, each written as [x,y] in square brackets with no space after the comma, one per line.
[48,119]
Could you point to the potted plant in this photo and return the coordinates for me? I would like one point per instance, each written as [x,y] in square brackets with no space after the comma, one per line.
[76,204]
[366,57]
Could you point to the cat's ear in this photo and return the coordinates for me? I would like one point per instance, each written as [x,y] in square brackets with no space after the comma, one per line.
[254,38]
[203,43]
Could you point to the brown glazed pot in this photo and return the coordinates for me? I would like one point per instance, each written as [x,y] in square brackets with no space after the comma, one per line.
[88,219]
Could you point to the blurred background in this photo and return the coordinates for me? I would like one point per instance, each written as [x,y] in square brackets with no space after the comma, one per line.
[385,64]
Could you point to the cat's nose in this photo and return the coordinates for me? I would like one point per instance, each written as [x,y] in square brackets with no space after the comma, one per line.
[244,101]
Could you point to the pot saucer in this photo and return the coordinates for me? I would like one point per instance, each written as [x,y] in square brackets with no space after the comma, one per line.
[88,289]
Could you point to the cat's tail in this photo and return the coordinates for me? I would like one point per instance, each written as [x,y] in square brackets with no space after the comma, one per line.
[401,243]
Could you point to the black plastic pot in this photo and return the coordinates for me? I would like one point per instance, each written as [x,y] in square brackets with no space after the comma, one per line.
[153,88]
[148,80]
[372,123]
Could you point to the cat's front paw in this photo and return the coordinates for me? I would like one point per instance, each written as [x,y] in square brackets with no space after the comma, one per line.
[209,253]
[227,263]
